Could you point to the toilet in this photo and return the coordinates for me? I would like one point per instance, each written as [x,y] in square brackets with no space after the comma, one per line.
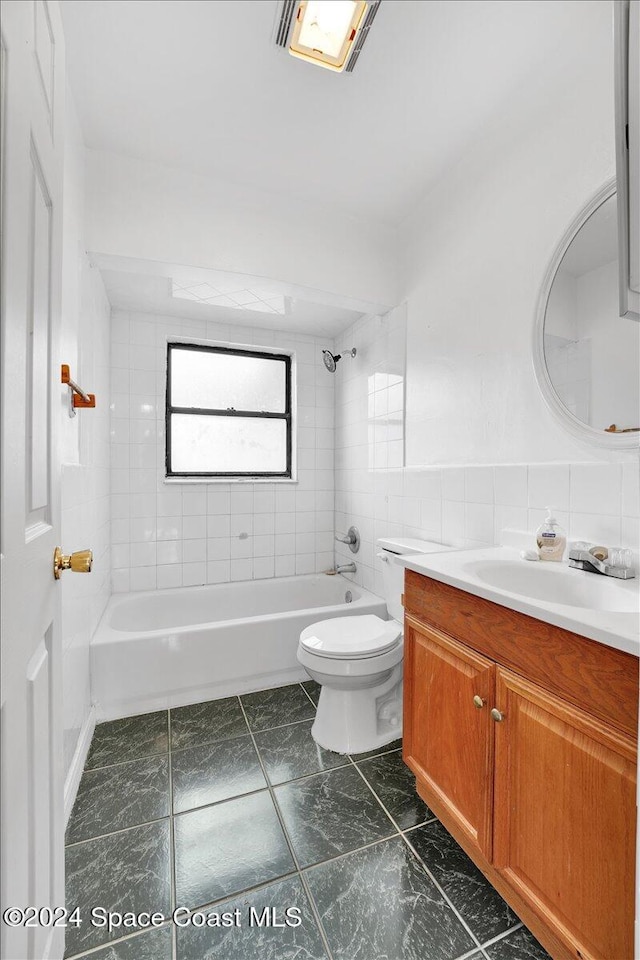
[358,662]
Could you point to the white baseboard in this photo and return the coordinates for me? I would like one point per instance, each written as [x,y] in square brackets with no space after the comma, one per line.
[74,776]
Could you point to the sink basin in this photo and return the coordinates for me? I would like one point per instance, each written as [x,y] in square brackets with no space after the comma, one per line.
[558,583]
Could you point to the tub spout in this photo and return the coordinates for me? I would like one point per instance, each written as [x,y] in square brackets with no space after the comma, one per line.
[342,568]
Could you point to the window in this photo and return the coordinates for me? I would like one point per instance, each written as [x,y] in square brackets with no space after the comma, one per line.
[228,412]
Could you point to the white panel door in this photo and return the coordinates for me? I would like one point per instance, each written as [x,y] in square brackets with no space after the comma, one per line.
[32,837]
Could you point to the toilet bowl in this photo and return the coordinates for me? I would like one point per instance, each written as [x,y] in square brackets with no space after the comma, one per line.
[358,663]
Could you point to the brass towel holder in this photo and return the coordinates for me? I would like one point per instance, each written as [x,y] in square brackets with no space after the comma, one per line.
[77,396]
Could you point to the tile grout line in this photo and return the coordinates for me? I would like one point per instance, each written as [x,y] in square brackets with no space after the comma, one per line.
[474,952]
[308,776]
[281,726]
[172,844]
[91,951]
[114,833]
[421,862]
[438,887]
[303,880]
[501,936]
[341,856]
[122,763]
[229,897]
[302,684]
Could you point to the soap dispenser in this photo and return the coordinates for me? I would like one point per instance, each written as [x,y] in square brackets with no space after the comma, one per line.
[551,540]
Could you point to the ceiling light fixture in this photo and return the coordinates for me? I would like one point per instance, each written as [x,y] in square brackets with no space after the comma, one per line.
[328,33]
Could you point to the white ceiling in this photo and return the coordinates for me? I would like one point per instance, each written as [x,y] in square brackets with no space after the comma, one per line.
[141,286]
[200,84]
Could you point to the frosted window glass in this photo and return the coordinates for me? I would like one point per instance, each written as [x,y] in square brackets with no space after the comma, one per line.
[210,444]
[218,381]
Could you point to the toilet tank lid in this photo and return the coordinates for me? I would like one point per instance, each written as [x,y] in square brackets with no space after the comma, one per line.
[406,545]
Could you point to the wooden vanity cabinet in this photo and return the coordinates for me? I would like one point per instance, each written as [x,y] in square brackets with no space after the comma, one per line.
[541,794]
[449,739]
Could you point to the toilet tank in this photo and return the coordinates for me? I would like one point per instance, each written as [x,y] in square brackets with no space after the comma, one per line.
[393,573]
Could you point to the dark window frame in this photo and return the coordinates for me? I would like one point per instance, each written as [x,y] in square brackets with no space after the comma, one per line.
[210,411]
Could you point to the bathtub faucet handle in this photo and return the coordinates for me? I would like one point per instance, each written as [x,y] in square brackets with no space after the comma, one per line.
[351,537]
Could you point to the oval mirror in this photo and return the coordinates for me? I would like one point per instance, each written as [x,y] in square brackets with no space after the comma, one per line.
[587,356]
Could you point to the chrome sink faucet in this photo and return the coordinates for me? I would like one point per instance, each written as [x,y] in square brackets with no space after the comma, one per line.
[611,562]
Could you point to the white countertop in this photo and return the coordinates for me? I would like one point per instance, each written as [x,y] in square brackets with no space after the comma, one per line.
[470,570]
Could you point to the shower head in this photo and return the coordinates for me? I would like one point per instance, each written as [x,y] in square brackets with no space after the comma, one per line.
[331,359]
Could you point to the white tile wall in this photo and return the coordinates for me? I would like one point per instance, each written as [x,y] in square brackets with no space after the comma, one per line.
[464,506]
[85,501]
[169,535]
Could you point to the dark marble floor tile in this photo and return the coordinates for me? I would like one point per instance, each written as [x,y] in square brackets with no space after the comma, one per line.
[273,708]
[291,752]
[379,903]
[313,689]
[128,739]
[394,783]
[206,723]
[520,945]
[227,848]
[214,772]
[153,945]
[252,941]
[113,798]
[394,745]
[127,871]
[471,894]
[331,814]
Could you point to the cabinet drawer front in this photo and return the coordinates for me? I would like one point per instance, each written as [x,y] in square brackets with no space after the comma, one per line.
[565,817]
[447,738]
[577,669]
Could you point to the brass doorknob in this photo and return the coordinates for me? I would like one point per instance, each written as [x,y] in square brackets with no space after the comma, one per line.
[497,716]
[478,702]
[80,562]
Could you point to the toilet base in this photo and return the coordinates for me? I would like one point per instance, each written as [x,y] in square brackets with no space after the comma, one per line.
[356,721]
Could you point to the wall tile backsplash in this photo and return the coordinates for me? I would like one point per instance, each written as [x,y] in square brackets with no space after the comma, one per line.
[169,535]
[463,506]
[183,534]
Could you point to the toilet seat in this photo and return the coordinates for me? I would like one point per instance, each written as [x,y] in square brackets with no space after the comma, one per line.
[351,637]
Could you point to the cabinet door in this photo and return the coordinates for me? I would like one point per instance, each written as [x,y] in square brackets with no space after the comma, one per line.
[448,740]
[565,812]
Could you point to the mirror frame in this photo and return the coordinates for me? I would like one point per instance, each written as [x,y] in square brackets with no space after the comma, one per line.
[575,426]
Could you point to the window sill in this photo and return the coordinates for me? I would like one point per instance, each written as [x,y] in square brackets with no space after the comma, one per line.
[226,480]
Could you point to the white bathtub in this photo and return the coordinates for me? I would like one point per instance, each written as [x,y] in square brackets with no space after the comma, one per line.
[167,648]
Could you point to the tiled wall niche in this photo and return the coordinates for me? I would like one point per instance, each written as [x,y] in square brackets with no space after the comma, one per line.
[460,505]
[171,535]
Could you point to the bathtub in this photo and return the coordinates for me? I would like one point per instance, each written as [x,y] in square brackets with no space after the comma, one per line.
[167,648]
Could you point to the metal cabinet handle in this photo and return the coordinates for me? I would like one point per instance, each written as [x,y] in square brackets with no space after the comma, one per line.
[478,702]
[497,716]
